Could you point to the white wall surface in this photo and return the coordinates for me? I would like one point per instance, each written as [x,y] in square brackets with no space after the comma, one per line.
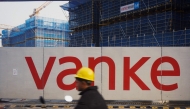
[22,85]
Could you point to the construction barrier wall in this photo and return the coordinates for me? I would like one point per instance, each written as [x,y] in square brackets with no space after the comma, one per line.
[38,32]
[121,73]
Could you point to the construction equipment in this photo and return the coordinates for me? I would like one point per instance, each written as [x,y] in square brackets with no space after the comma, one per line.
[8,27]
[37,10]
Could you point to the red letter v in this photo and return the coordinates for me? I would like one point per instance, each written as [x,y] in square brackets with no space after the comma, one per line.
[40,83]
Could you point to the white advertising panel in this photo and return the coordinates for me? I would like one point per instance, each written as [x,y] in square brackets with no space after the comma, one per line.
[121,73]
[129,7]
[132,74]
[20,83]
[176,73]
[59,86]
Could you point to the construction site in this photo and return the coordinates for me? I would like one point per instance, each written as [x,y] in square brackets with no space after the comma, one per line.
[147,23]
[37,31]
[137,50]
[104,23]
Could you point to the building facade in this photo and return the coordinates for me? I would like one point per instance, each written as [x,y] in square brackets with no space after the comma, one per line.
[38,32]
[129,23]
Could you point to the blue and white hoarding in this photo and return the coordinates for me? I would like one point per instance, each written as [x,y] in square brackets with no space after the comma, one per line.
[129,7]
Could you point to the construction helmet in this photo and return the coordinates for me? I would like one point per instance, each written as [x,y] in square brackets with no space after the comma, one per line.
[85,73]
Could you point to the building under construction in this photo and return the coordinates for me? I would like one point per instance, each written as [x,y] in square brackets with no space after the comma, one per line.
[38,32]
[129,22]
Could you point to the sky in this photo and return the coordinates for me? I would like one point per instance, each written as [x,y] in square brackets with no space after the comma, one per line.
[15,13]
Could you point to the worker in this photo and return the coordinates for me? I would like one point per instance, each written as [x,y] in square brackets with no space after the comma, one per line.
[90,97]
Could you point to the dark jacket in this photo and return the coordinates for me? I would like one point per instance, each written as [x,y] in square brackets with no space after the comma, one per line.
[91,99]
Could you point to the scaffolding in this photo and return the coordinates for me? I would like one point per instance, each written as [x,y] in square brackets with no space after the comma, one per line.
[84,22]
[38,32]
[129,23]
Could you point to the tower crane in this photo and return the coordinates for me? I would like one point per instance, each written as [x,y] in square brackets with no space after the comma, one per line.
[37,10]
[8,27]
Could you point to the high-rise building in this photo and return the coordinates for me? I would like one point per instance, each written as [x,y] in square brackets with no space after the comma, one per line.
[38,32]
[129,22]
